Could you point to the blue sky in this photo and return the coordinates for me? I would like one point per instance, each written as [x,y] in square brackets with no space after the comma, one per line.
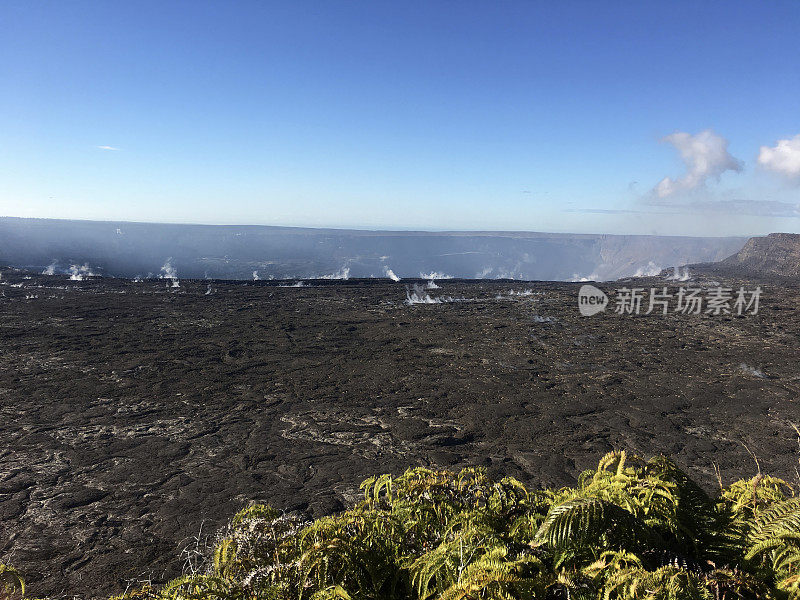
[549,116]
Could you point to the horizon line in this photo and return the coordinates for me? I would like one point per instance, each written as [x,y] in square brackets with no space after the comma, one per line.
[365,229]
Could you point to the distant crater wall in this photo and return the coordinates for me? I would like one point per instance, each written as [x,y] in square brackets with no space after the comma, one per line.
[124,249]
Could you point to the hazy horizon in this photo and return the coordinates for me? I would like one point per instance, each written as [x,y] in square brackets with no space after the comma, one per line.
[128,249]
[357,228]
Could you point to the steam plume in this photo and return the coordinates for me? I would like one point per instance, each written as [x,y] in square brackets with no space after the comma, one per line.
[343,273]
[419,296]
[79,273]
[651,270]
[678,276]
[170,272]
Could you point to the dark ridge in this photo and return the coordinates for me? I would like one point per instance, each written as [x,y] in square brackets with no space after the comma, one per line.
[773,257]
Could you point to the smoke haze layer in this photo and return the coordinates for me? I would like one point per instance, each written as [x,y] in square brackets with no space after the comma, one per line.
[237,252]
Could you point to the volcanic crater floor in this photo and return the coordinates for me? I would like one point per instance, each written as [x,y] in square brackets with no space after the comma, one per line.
[136,418]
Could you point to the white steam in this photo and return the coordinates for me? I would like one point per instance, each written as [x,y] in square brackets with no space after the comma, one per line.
[435,275]
[650,270]
[51,269]
[343,273]
[752,371]
[79,273]
[255,276]
[506,274]
[541,319]
[419,296]
[520,293]
[168,271]
[390,274]
[677,275]
[578,278]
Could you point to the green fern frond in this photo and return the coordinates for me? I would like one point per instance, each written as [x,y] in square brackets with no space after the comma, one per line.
[333,592]
[782,516]
[145,592]
[666,583]
[11,582]
[747,498]
[254,511]
[197,587]
[586,521]
[224,557]
[374,487]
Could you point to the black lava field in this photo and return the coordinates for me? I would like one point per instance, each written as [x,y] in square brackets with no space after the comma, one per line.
[137,417]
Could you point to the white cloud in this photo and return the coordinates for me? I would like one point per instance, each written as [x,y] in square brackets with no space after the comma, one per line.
[705,155]
[783,158]
[107,148]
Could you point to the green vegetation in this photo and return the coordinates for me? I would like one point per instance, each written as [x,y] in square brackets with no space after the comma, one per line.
[11,582]
[630,529]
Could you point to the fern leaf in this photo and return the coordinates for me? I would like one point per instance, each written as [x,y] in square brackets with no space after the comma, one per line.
[586,521]
[11,582]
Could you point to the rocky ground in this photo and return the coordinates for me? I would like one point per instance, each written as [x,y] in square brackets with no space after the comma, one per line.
[137,417]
